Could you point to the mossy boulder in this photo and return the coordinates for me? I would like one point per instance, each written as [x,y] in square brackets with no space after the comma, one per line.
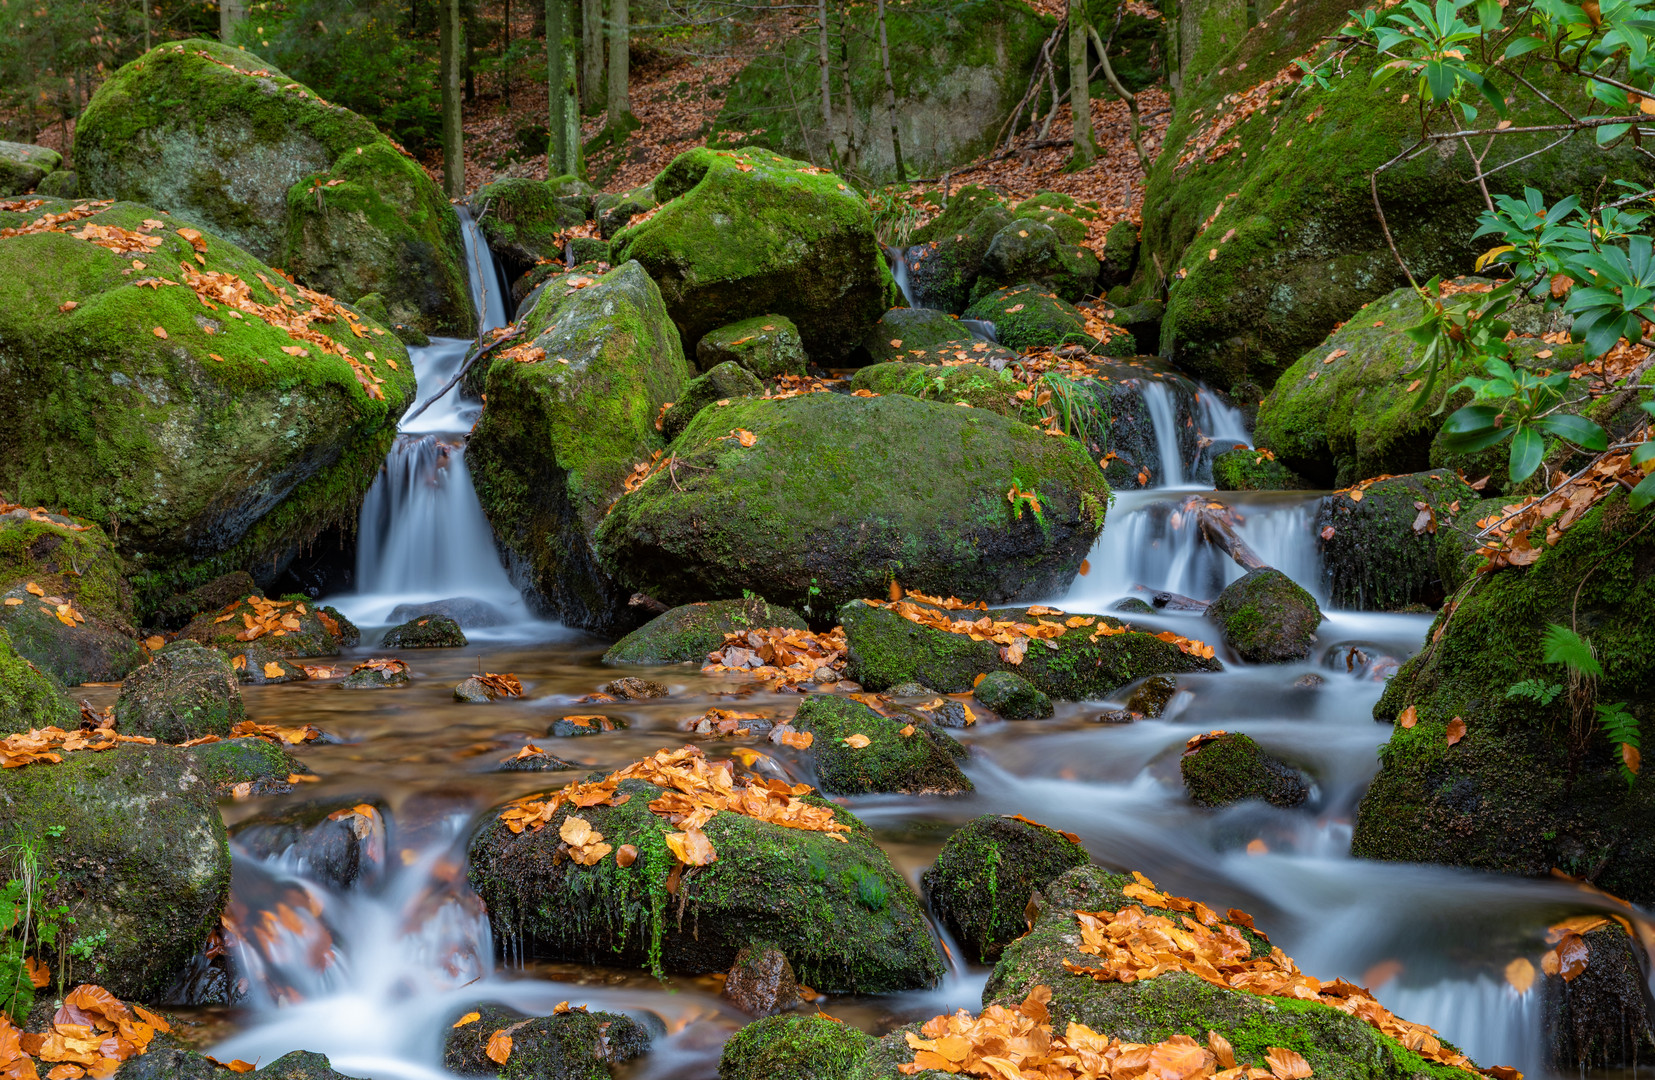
[901,330]
[885,649]
[60,184]
[956,72]
[1246,469]
[727,381]
[841,912]
[427,632]
[1033,251]
[139,851]
[1012,696]
[1351,417]
[1518,794]
[30,698]
[958,211]
[943,266]
[1266,617]
[261,763]
[794,1048]
[980,885]
[216,134]
[318,632]
[616,210]
[921,762]
[1120,255]
[1064,214]
[1152,696]
[839,495]
[524,221]
[804,248]
[185,692]
[1230,767]
[557,440]
[378,678]
[766,345]
[175,612]
[1599,1019]
[23,166]
[169,1059]
[49,564]
[689,633]
[575,1045]
[978,386]
[1375,558]
[195,465]
[1025,316]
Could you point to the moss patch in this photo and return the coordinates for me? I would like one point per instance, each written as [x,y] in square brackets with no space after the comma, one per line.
[690,632]
[983,878]
[793,1048]
[921,762]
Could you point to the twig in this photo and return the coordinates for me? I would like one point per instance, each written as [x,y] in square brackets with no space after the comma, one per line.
[460,374]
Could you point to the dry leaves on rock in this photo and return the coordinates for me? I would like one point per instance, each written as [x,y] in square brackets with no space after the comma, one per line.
[721,722]
[500,685]
[274,733]
[586,844]
[91,1034]
[1522,530]
[388,665]
[47,745]
[1014,635]
[782,656]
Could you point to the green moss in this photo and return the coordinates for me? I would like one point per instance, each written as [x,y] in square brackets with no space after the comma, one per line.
[901,331]
[576,1045]
[979,387]
[689,633]
[727,380]
[1374,559]
[1231,767]
[425,632]
[237,761]
[943,269]
[793,1048]
[921,762]
[1245,469]
[1266,617]
[766,345]
[1012,696]
[29,698]
[980,885]
[963,207]
[525,220]
[1025,316]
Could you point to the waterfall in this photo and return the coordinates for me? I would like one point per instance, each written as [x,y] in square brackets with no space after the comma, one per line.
[1163,418]
[899,271]
[488,291]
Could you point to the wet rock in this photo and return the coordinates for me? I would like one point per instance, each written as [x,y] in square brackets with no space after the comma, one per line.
[1028,251]
[524,220]
[908,690]
[372,307]
[630,688]
[306,631]
[558,441]
[185,692]
[299,1065]
[1230,767]
[1117,716]
[541,762]
[176,611]
[1600,1018]
[944,265]
[135,841]
[1246,469]
[794,1048]
[690,632]
[575,727]
[884,649]
[1120,255]
[921,762]
[615,212]
[985,874]
[1012,696]
[169,1059]
[29,698]
[1267,618]
[377,223]
[259,764]
[1373,559]
[902,330]
[761,981]
[947,714]
[336,844]
[758,517]
[1152,695]
[67,561]
[1309,681]
[1362,659]
[1131,605]
[841,913]
[367,677]
[574,1045]
[473,691]
[806,250]
[23,166]
[469,613]
[766,345]
[724,382]
[427,632]
[1025,316]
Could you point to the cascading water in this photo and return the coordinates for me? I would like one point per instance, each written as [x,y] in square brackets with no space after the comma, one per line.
[1164,417]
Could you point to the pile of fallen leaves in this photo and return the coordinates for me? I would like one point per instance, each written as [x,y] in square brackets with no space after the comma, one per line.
[1135,945]
[91,1034]
[1015,636]
[266,617]
[61,609]
[500,685]
[45,744]
[695,790]
[782,656]
[387,666]
[1018,1044]
[248,729]
[725,722]
[40,513]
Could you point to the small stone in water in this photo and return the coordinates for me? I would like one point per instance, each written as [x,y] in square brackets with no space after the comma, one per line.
[631,688]
[1117,716]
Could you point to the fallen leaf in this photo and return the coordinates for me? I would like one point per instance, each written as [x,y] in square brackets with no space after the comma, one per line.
[691,847]
[499,1047]
[273,670]
[1456,730]
[1520,975]
[1408,717]
[1572,956]
[35,589]
[158,332]
[1286,1064]
[626,855]
[468,1018]
[856,742]
[154,642]
[1327,532]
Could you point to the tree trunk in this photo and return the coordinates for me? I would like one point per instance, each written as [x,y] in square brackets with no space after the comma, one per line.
[505,47]
[890,96]
[850,100]
[451,44]
[1126,95]
[1080,97]
[143,5]
[591,39]
[827,82]
[564,152]
[230,15]
[620,61]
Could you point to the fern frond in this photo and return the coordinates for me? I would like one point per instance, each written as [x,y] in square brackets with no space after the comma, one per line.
[1561,645]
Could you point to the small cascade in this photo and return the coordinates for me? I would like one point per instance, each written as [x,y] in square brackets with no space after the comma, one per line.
[488,290]
[982,329]
[899,271]
[1163,417]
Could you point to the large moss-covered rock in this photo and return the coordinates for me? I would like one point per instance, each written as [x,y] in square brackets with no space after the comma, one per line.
[30,698]
[195,465]
[23,166]
[575,1045]
[135,840]
[816,1047]
[1012,696]
[957,73]
[841,912]
[1351,417]
[557,440]
[886,649]
[902,330]
[690,632]
[1260,222]
[254,632]
[185,692]
[52,567]
[766,345]
[260,763]
[745,234]
[1519,793]
[920,762]
[980,885]
[726,381]
[1025,316]
[1229,767]
[1027,250]
[1246,469]
[948,254]
[978,386]
[208,131]
[524,221]
[839,495]
[1266,617]
[1382,553]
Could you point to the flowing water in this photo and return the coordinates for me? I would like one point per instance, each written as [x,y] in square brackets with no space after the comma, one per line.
[373,974]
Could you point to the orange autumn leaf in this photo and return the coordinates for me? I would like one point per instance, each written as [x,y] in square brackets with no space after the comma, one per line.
[1408,717]
[499,1047]
[1456,730]
[273,670]
[468,1018]
[1520,975]
[857,742]
[1286,1064]
[39,974]
[691,847]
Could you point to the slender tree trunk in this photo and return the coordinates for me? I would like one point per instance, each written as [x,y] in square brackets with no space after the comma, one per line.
[564,157]
[1127,96]
[505,47]
[451,44]
[230,15]
[1080,97]
[470,15]
[890,96]
[827,82]
[591,38]
[143,6]
[620,66]
[850,100]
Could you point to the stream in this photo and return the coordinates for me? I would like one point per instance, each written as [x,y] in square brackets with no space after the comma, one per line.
[373,975]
